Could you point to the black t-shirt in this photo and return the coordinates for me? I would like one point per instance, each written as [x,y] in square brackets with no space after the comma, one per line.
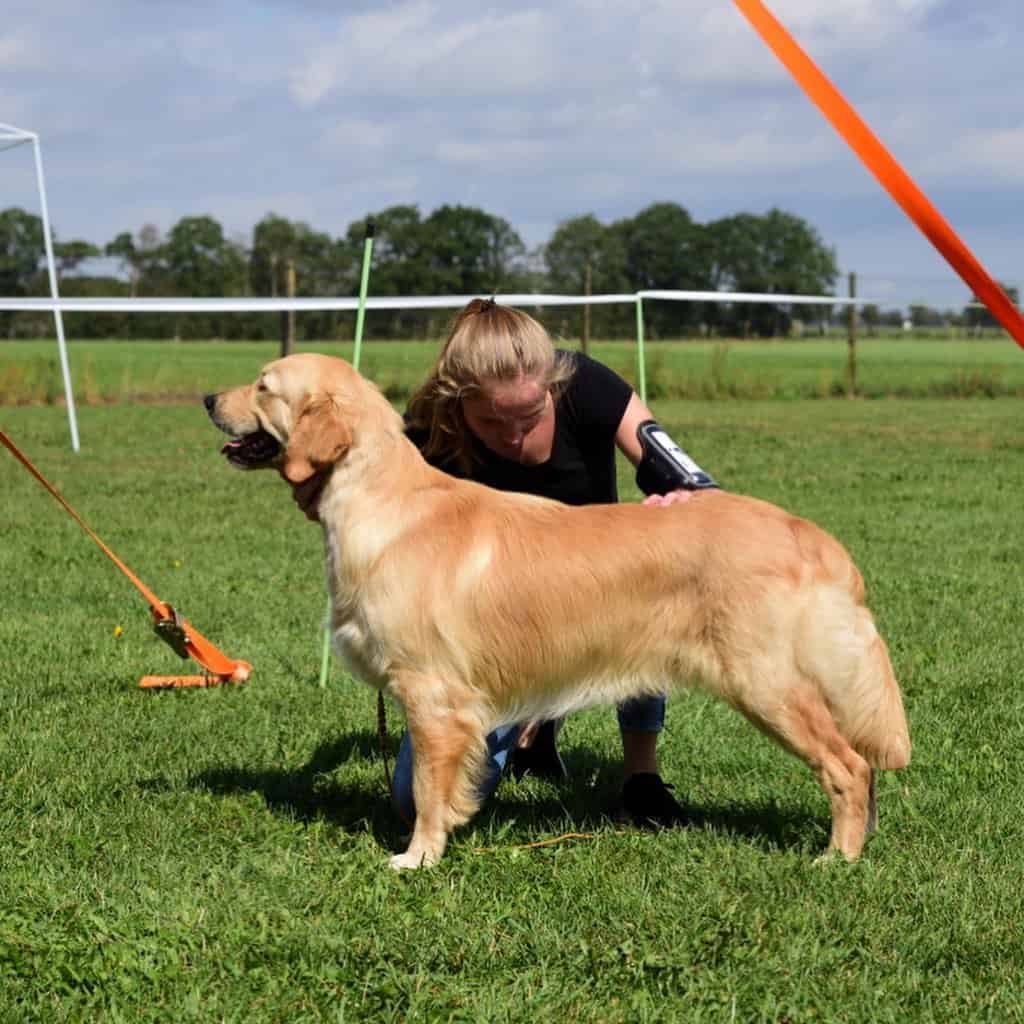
[581,469]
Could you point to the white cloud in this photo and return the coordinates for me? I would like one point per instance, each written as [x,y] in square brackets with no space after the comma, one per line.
[415,50]
[752,153]
[993,156]
[20,50]
[240,214]
[360,134]
[506,154]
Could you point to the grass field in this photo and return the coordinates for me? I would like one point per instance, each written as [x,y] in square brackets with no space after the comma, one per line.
[886,367]
[220,855]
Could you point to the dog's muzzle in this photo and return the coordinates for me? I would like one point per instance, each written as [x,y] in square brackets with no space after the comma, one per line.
[252,450]
[245,451]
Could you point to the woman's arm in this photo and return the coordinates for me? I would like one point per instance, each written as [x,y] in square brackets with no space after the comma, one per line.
[629,444]
[625,436]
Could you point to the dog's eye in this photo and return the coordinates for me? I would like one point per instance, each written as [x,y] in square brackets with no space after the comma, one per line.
[261,386]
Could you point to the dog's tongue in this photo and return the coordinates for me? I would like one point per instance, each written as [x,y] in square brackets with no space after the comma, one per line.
[255,449]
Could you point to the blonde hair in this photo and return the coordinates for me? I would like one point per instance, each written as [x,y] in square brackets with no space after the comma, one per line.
[487,342]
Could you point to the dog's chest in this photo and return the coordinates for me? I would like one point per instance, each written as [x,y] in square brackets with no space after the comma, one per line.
[356,644]
[352,636]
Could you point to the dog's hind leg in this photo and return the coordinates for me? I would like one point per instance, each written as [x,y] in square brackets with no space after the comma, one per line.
[448,747]
[803,724]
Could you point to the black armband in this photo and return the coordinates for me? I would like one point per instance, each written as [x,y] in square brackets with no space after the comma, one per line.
[664,466]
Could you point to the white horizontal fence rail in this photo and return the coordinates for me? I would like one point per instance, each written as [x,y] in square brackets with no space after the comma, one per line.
[265,305]
[781,300]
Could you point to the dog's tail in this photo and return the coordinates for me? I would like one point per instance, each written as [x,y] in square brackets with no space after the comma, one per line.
[839,646]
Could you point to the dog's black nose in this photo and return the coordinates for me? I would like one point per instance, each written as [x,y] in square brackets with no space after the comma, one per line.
[208,401]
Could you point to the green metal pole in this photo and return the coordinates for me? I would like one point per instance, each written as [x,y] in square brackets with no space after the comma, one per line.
[640,365]
[363,284]
[364,281]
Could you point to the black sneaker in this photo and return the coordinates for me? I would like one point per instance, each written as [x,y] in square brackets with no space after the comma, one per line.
[541,759]
[647,802]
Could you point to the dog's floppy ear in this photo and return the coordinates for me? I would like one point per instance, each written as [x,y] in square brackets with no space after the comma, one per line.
[320,437]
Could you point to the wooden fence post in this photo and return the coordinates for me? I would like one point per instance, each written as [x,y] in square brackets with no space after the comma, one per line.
[585,334]
[288,315]
[851,341]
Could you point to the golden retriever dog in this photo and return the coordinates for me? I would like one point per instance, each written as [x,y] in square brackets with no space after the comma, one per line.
[473,607]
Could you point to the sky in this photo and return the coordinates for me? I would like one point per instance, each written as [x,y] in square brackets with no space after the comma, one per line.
[324,110]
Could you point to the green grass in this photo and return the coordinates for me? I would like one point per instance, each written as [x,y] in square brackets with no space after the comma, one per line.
[220,855]
[150,370]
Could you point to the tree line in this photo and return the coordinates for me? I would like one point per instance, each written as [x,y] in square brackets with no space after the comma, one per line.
[459,250]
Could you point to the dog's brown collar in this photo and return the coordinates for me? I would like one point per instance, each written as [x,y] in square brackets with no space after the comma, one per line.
[308,493]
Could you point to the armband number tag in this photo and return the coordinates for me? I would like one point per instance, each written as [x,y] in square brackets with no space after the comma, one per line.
[671,449]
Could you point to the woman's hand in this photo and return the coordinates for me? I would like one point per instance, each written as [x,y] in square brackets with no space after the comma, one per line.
[672,498]
[528,733]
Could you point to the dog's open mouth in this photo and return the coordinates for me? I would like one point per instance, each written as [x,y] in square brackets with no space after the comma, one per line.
[252,450]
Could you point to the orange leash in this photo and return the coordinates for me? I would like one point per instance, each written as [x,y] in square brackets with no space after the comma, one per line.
[883,166]
[176,631]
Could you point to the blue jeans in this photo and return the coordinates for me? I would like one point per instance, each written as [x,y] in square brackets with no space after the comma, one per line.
[643,714]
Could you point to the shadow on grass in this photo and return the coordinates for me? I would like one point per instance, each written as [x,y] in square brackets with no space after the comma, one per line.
[769,824]
[308,794]
[588,801]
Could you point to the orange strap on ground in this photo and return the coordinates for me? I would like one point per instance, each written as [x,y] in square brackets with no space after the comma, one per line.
[169,625]
[883,165]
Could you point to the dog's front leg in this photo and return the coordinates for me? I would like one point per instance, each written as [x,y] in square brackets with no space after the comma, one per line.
[448,746]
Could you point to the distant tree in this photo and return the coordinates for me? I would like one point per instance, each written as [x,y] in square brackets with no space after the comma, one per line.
[201,261]
[400,267]
[322,267]
[471,252]
[21,250]
[925,316]
[798,260]
[155,273]
[976,315]
[583,246]
[142,260]
[400,264]
[99,325]
[70,255]
[735,259]
[274,242]
[870,317]
[122,248]
[777,252]
[665,249]
[456,250]
[324,264]
[21,253]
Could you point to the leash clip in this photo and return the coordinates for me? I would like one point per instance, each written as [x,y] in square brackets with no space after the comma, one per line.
[171,630]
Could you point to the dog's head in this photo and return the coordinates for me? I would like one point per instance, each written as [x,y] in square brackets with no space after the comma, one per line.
[297,417]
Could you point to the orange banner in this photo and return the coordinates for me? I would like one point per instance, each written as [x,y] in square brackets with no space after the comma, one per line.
[830,101]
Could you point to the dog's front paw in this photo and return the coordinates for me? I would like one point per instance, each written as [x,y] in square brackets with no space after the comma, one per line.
[424,851]
[404,861]
[410,859]
[832,856]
